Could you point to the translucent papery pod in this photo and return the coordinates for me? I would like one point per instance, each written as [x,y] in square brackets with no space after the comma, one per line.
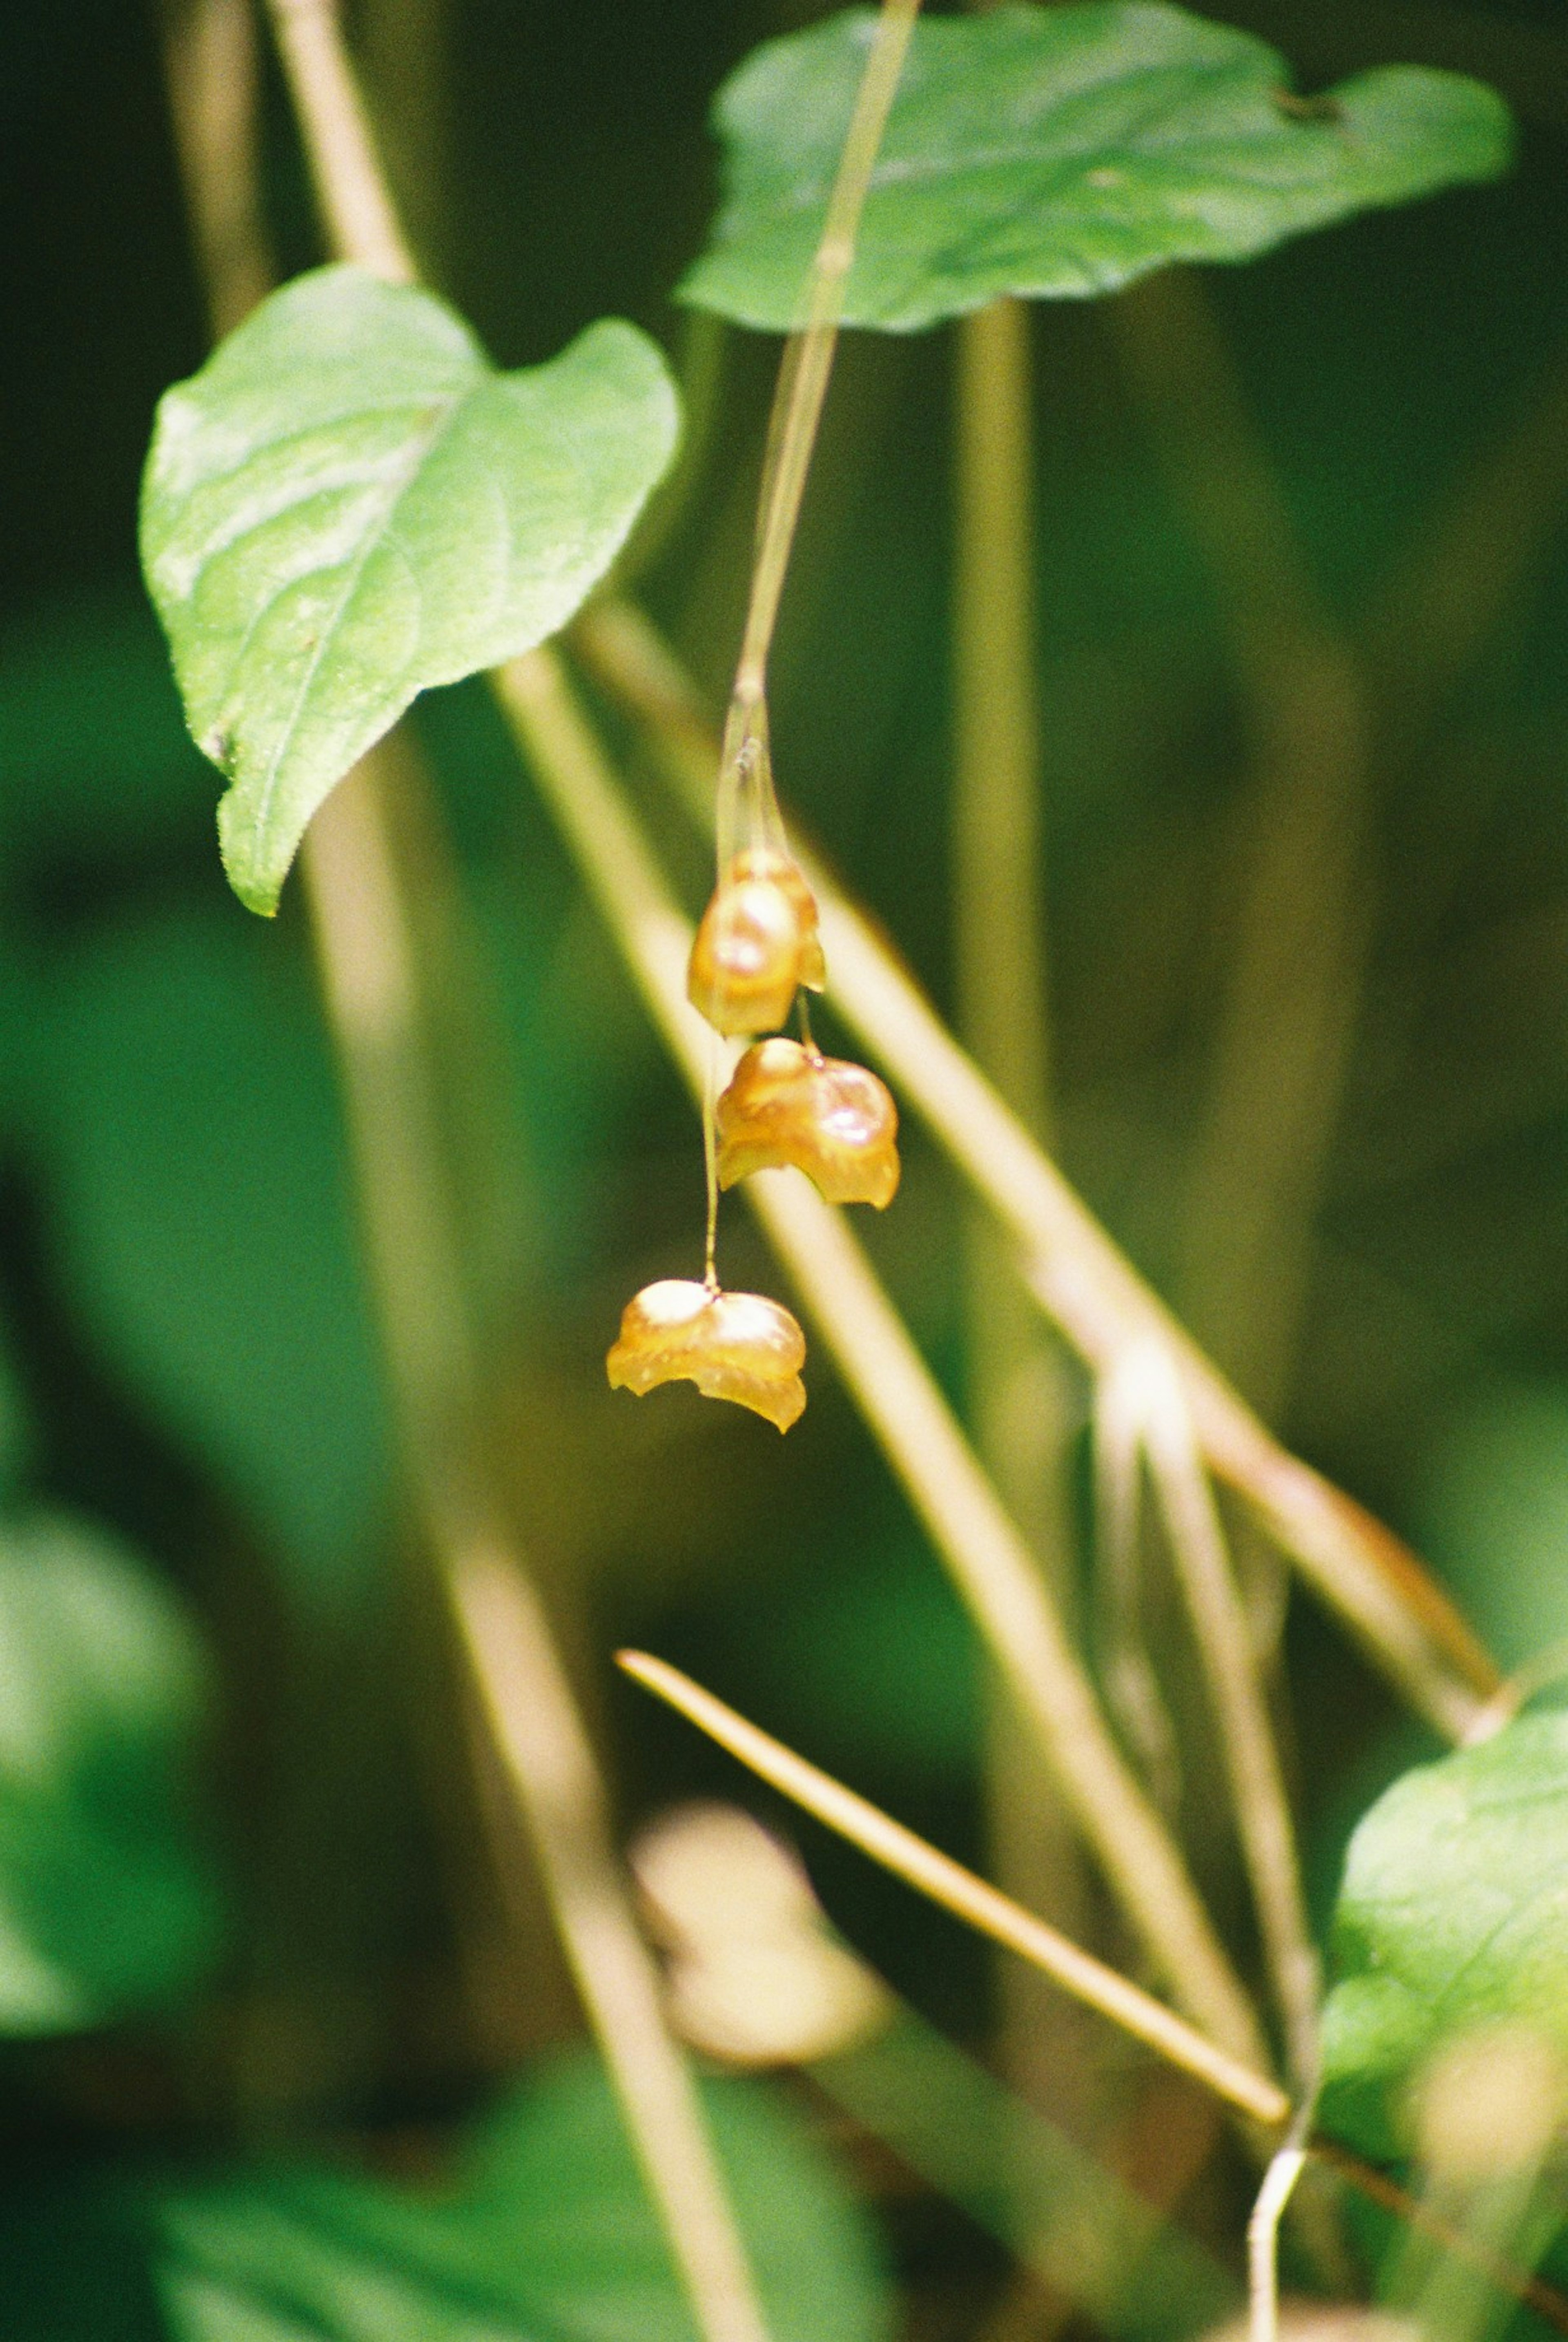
[757,945]
[734,1345]
[788,1106]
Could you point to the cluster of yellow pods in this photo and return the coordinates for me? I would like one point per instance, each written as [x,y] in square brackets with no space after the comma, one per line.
[785,1106]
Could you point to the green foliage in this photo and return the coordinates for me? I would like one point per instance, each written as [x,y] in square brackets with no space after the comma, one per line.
[97,760]
[1494,1511]
[348,504]
[106,1903]
[549,2231]
[1060,151]
[870,1652]
[182,1108]
[73,2262]
[1451,1917]
[16,1428]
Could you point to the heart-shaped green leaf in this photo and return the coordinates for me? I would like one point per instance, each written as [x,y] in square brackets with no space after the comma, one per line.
[1453,1916]
[106,1903]
[1060,151]
[349,504]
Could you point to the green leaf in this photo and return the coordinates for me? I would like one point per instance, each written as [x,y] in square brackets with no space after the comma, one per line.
[106,1903]
[348,504]
[280,2257]
[1060,152]
[1453,1915]
[549,2232]
[561,2198]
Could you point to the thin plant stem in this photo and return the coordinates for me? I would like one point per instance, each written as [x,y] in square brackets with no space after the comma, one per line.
[745,811]
[891,1383]
[1000,918]
[370,982]
[1084,1285]
[998,1576]
[404,63]
[960,1891]
[711,1086]
[1542,1669]
[1131,1685]
[210,57]
[1018,1400]
[700,374]
[350,186]
[1379,2187]
[1472,557]
[1230,1663]
[1284,2169]
[1097,2243]
[808,355]
[538,1732]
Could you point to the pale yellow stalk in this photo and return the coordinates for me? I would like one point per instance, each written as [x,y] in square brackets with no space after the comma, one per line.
[1157,1402]
[947,1882]
[808,355]
[1019,1404]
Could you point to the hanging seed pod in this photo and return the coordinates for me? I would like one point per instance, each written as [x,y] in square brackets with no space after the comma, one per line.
[734,1345]
[833,1120]
[756,946]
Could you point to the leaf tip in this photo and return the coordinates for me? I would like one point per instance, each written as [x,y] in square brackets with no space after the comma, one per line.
[258,887]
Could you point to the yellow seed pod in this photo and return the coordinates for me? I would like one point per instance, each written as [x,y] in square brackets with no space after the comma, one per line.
[833,1120]
[734,1345]
[756,946]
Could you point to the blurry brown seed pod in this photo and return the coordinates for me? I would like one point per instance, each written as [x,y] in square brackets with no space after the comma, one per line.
[734,1345]
[785,1106]
[757,945]
[755,1976]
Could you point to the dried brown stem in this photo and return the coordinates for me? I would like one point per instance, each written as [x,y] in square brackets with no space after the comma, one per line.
[1230,1663]
[1019,1403]
[960,1891]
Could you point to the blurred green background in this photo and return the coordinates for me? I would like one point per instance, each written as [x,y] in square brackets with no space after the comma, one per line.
[188,1359]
